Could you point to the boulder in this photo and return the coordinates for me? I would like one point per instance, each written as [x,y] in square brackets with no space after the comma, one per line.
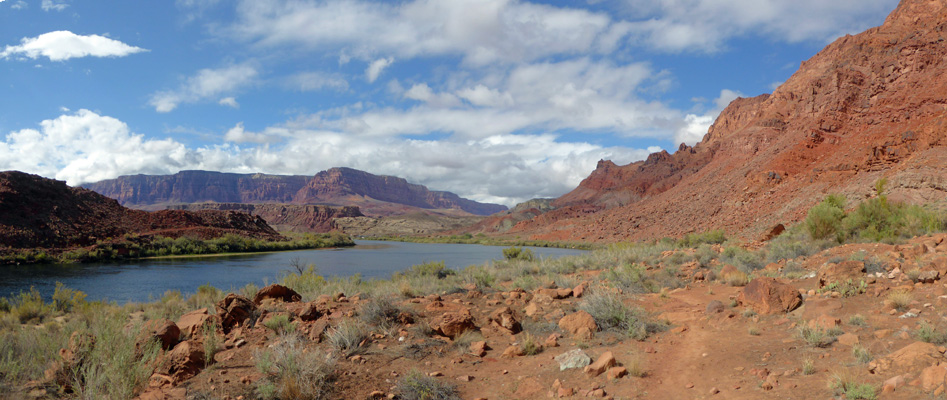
[184,361]
[769,296]
[714,307]
[928,276]
[453,324]
[277,292]
[165,332]
[506,320]
[579,324]
[841,273]
[310,312]
[911,358]
[824,322]
[479,348]
[934,377]
[603,363]
[233,310]
[191,323]
[575,358]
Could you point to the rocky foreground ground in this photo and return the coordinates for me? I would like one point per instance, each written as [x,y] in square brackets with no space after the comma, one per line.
[854,321]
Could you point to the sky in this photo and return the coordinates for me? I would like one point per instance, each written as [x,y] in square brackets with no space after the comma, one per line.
[495,100]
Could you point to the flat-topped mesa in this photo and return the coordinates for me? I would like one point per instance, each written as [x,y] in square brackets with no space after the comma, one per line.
[868,106]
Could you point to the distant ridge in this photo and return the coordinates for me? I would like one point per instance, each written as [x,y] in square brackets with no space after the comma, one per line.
[373,194]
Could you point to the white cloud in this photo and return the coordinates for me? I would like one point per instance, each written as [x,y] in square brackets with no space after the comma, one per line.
[63,45]
[85,147]
[54,5]
[376,67]
[229,102]
[696,126]
[238,134]
[315,81]
[19,5]
[706,25]
[482,31]
[208,83]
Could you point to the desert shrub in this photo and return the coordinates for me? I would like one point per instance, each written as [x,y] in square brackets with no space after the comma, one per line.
[633,278]
[815,336]
[415,385]
[824,220]
[211,341]
[926,332]
[518,253]
[531,345]
[437,269]
[115,368]
[808,366]
[611,314]
[291,372]
[29,307]
[381,312]
[206,296]
[792,244]
[463,341]
[347,337]
[738,278]
[899,299]
[705,255]
[689,240]
[861,354]
[279,324]
[527,283]
[65,299]
[742,259]
[308,281]
[480,276]
[857,320]
[844,383]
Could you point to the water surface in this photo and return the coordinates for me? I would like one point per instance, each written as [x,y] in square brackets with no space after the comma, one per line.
[144,280]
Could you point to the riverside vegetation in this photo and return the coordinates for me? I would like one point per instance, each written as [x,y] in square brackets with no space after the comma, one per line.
[132,247]
[660,314]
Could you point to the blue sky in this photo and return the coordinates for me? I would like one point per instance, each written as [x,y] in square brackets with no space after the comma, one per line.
[496,100]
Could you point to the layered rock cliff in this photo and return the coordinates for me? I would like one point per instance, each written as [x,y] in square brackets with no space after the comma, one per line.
[375,195]
[285,217]
[37,212]
[866,107]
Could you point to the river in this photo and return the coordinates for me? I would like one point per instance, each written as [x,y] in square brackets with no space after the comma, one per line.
[145,280]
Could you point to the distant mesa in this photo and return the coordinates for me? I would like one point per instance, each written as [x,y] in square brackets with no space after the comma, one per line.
[375,195]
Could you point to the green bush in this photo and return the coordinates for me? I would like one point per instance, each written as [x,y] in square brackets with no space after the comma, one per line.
[611,314]
[289,372]
[690,240]
[825,219]
[65,299]
[436,269]
[347,337]
[518,253]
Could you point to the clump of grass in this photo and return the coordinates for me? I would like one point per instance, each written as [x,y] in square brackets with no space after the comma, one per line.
[926,332]
[634,278]
[913,274]
[857,320]
[637,365]
[206,296]
[808,366]
[531,346]
[748,313]
[463,341]
[900,299]
[433,269]
[691,240]
[348,338]
[861,354]
[280,324]
[611,314]
[211,341]
[845,384]
[291,372]
[381,312]
[754,331]
[815,336]
[415,385]
[738,278]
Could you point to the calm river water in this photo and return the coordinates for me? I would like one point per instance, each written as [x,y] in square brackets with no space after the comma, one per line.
[148,279]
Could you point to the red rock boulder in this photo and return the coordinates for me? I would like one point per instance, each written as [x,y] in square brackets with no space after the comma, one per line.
[233,310]
[453,324]
[841,273]
[164,331]
[579,324]
[769,296]
[277,292]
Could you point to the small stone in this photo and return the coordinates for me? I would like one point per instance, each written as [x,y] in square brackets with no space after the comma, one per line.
[436,373]
[605,361]
[575,358]
[377,394]
[714,390]
[565,392]
[689,385]
[617,372]
[465,378]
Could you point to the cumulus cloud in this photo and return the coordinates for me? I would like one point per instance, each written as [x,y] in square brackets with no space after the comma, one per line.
[85,147]
[207,84]
[706,25]
[695,126]
[19,5]
[63,45]
[482,31]
[54,5]
[376,67]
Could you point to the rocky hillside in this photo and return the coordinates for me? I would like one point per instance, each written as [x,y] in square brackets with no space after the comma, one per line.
[36,212]
[375,195]
[867,107]
[285,217]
